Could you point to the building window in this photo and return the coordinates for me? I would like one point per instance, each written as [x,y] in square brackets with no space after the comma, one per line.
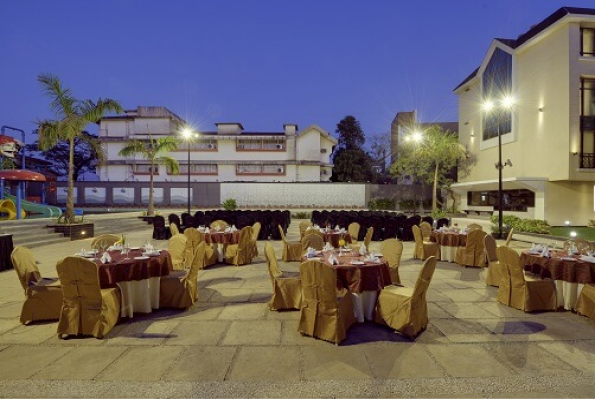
[273,144]
[260,169]
[588,42]
[197,169]
[204,144]
[144,169]
[497,83]
[512,200]
[587,126]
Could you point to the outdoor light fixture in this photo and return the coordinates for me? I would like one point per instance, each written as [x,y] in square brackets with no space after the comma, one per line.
[573,234]
[188,135]
[567,223]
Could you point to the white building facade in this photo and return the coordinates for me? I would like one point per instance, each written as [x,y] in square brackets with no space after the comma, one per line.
[548,133]
[228,154]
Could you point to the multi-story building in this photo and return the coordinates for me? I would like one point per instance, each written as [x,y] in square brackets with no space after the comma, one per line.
[226,155]
[543,87]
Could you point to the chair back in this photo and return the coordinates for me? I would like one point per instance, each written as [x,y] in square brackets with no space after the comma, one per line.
[271,257]
[176,246]
[173,228]
[303,225]
[256,231]
[418,298]
[474,249]
[512,261]
[104,241]
[24,264]
[353,230]
[392,250]
[505,288]
[193,238]
[368,237]
[312,240]
[197,263]
[419,244]
[509,237]
[473,227]
[283,238]
[319,285]
[490,246]
[426,230]
[221,224]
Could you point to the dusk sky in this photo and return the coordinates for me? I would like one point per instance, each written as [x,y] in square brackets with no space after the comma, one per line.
[262,63]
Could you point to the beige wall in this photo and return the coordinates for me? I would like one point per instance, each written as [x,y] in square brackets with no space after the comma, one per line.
[569,201]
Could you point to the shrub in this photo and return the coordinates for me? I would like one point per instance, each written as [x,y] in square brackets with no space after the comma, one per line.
[436,214]
[381,204]
[407,205]
[521,225]
[230,204]
[301,215]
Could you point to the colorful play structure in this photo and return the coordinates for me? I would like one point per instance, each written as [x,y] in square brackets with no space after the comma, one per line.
[16,207]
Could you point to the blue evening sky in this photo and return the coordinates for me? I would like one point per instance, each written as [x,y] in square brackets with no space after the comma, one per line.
[259,62]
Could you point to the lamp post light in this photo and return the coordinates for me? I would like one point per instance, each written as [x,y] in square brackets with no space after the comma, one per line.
[489,106]
[188,136]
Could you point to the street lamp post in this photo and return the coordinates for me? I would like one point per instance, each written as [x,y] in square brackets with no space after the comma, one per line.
[188,136]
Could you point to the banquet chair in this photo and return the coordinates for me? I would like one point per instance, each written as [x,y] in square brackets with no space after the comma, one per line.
[303,226]
[353,230]
[326,313]
[426,230]
[180,288]
[43,296]
[473,227]
[312,240]
[193,238]
[423,249]
[406,309]
[254,239]
[472,254]
[86,308]
[104,241]
[292,251]
[368,238]
[287,287]
[176,246]
[526,293]
[173,228]
[392,250]
[585,304]
[219,223]
[240,253]
[509,237]
[494,275]
[160,231]
[211,253]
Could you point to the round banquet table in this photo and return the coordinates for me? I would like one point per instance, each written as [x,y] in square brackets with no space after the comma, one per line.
[569,273]
[334,237]
[449,242]
[138,279]
[363,280]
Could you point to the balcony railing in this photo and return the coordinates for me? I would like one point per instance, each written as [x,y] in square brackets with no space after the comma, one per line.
[587,160]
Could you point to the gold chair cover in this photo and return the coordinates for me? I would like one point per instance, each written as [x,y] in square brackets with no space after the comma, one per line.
[173,229]
[473,227]
[526,293]
[303,226]
[43,296]
[585,305]
[426,230]
[176,246]
[406,309]
[241,252]
[104,241]
[494,275]
[509,237]
[254,239]
[472,254]
[326,313]
[287,289]
[423,249]
[219,224]
[353,230]
[312,240]
[86,309]
[292,251]
[368,238]
[392,250]
[180,290]
[210,251]
[505,288]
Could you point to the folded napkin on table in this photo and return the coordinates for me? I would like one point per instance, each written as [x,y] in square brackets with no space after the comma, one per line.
[310,252]
[545,252]
[106,258]
[589,259]
[362,250]
[333,260]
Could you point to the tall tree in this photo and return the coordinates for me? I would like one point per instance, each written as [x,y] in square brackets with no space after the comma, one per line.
[73,116]
[351,162]
[380,153]
[151,150]
[432,159]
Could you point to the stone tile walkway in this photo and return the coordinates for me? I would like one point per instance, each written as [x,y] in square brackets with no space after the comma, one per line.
[230,345]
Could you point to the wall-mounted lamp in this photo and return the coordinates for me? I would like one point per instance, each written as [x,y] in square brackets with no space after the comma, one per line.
[575,153]
[573,234]
[123,190]
[508,162]
[466,123]
[540,109]
[65,190]
[567,223]
[94,190]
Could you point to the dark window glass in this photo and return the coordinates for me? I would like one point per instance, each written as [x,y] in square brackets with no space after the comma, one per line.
[512,200]
[587,156]
[588,42]
[497,83]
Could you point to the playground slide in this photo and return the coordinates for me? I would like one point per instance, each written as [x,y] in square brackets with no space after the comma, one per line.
[8,210]
[38,210]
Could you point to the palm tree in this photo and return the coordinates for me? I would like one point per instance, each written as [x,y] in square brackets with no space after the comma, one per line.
[73,116]
[149,150]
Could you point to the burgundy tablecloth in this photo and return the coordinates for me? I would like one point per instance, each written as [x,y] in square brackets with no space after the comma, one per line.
[334,238]
[449,238]
[223,238]
[129,269]
[555,267]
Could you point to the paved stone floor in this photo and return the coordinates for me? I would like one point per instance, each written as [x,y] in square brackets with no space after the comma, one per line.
[230,345]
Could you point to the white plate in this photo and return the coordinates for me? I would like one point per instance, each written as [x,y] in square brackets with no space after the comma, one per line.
[357,263]
[154,254]
[376,255]
[568,258]
[134,248]
[141,258]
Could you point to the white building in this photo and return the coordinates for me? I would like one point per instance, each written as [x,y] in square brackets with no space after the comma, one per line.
[225,155]
[548,133]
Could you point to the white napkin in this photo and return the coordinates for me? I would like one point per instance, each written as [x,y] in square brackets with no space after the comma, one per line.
[337,227]
[233,228]
[333,260]
[106,258]
[545,252]
[362,250]
[310,252]
[328,246]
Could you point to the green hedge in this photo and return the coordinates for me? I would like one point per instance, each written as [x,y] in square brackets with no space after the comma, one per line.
[523,225]
[381,204]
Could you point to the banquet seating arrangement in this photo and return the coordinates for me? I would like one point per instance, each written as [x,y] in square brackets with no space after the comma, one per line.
[326,313]
[405,309]
[43,296]
[292,251]
[509,237]
[472,254]
[255,232]
[180,289]
[493,276]
[160,230]
[240,253]
[585,305]
[104,241]
[287,287]
[426,230]
[423,249]
[176,246]
[304,225]
[392,250]
[522,291]
[353,230]
[173,228]
[312,240]
[86,308]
